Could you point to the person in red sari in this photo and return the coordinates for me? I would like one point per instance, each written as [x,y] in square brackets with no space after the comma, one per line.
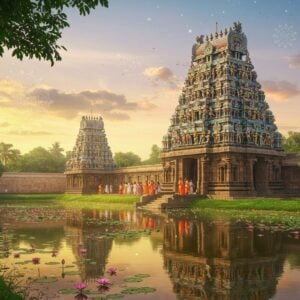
[186,187]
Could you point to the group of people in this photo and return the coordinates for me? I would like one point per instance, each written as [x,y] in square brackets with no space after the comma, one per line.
[108,189]
[185,187]
[137,188]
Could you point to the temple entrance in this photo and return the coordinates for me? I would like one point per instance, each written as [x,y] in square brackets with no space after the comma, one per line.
[190,170]
[260,176]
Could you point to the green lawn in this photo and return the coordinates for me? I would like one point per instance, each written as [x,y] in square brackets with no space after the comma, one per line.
[292,205]
[72,201]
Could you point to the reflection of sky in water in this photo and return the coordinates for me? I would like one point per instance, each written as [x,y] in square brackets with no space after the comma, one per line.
[188,257]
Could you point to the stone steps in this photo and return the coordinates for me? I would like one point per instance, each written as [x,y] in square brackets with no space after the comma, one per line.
[157,203]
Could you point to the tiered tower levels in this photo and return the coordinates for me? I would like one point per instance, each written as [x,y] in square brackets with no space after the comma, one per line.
[91,151]
[221,102]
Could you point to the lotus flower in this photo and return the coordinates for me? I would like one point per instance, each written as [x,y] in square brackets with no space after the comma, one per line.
[54,253]
[63,261]
[112,271]
[17,255]
[80,286]
[103,282]
[36,260]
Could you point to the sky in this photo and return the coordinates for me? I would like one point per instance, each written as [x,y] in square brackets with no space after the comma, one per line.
[128,63]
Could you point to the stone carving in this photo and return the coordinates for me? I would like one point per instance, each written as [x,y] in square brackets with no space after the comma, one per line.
[91,150]
[221,86]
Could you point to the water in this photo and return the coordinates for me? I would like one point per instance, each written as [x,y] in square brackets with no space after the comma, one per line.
[174,257]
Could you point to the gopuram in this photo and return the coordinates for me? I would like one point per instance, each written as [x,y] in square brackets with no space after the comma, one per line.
[222,135]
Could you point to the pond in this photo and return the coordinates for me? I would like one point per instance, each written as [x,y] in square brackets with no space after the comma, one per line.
[146,255]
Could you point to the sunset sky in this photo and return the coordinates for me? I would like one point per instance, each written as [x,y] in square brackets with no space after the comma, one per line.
[133,58]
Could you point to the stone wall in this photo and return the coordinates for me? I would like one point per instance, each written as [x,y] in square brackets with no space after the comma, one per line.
[291,174]
[23,183]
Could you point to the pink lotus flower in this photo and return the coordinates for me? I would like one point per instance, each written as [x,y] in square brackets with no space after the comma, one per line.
[36,260]
[112,271]
[103,282]
[17,255]
[80,286]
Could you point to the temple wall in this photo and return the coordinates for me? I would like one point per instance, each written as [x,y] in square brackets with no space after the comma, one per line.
[23,183]
[291,174]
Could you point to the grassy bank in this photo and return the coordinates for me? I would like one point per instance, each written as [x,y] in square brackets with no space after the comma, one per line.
[7,291]
[290,205]
[72,201]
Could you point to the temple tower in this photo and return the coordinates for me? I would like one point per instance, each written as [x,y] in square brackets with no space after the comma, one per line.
[91,157]
[222,134]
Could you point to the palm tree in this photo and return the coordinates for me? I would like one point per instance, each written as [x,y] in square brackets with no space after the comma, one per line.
[56,150]
[8,154]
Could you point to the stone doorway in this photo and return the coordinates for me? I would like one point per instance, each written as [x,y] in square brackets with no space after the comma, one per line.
[260,176]
[190,169]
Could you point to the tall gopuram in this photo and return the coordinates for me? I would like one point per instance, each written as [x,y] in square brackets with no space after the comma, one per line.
[91,157]
[222,134]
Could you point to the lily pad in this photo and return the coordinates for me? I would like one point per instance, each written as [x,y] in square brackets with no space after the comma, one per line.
[72,273]
[138,290]
[142,275]
[114,296]
[67,291]
[133,279]
[52,263]
[45,280]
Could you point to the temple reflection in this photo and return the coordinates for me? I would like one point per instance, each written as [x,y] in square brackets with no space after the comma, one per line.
[222,260]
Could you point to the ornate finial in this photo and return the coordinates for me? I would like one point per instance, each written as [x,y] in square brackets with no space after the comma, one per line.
[226,31]
[211,37]
[230,29]
[206,38]
[237,26]
[200,39]
[216,34]
[221,33]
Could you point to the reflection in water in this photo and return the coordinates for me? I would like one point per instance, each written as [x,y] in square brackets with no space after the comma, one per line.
[222,260]
[203,259]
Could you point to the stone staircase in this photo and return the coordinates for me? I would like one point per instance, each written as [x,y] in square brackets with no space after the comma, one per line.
[158,202]
[167,188]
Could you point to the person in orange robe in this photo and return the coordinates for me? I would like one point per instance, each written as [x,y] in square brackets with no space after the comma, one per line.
[182,188]
[186,187]
[146,190]
[121,189]
[150,188]
[179,186]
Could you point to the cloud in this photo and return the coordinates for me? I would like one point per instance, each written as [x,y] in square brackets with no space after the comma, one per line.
[280,91]
[64,104]
[294,61]
[162,74]
[28,132]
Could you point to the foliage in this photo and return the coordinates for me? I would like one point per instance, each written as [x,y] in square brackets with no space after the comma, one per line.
[37,160]
[1,168]
[8,154]
[9,288]
[154,156]
[126,159]
[292,142]
[249,204]
[32,28]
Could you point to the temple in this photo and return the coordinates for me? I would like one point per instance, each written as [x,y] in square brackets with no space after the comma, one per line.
[222,134]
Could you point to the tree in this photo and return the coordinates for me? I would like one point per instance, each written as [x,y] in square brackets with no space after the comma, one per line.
[154,156]
[126,159]
[8,154]
[2,169]
[292,142]
[56,150]
[32,28]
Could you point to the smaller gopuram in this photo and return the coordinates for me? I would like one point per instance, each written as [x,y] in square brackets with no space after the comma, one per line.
[91,157]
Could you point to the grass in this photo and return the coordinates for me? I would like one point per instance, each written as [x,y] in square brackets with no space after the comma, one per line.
[68,201]
[290,205]
[8,292]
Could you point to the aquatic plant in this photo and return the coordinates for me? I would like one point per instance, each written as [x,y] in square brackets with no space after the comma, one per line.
[112,271]
[80,286]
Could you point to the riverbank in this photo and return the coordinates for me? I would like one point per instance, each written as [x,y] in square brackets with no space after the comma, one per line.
[7,291]
[128,201]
